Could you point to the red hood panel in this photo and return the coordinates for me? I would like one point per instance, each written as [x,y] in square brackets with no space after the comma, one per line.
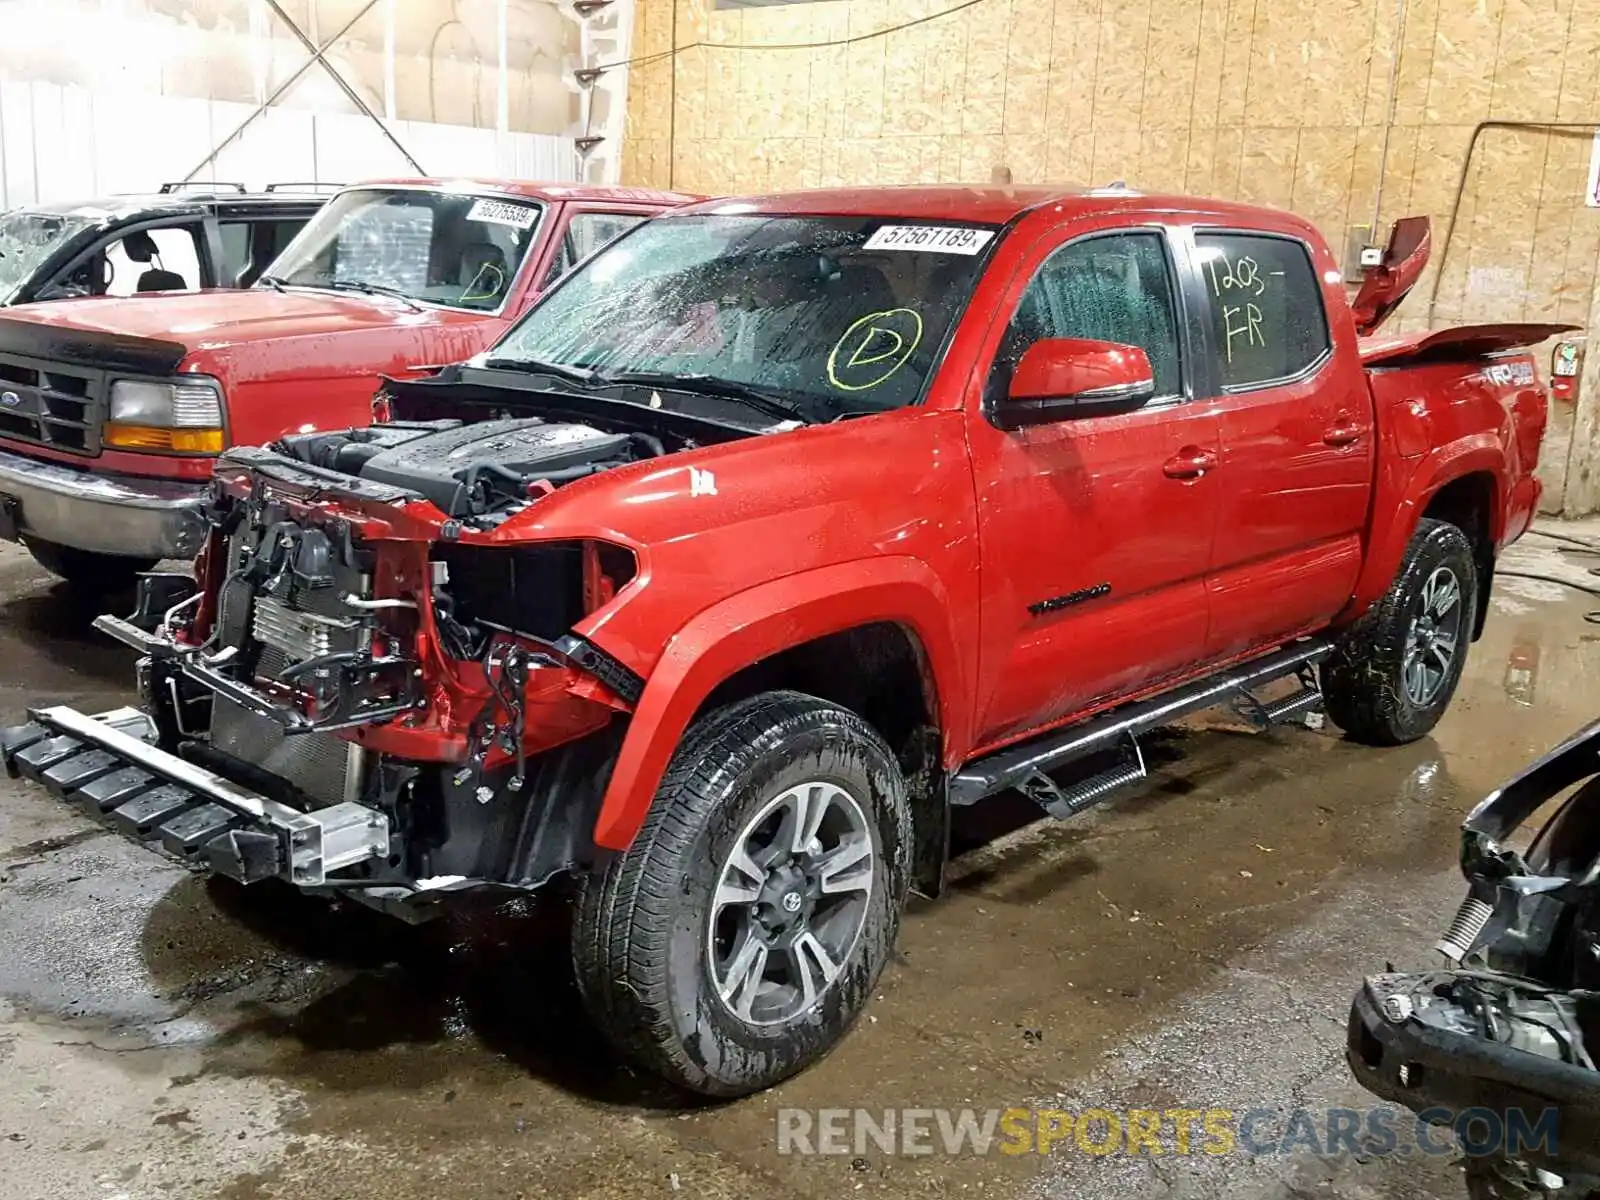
[215,320]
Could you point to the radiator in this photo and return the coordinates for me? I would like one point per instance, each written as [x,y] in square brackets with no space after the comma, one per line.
[326,768]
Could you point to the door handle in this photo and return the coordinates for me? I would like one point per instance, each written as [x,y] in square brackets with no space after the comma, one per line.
[1344,431]
[1189,463]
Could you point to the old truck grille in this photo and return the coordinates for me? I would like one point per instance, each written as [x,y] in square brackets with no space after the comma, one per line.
[320,765]
[50,404]
[300,635]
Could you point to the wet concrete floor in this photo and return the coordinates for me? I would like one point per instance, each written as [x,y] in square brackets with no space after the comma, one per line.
[1193,945]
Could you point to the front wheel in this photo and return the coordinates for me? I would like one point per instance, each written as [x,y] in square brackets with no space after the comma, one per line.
[741,934]
[1394,671]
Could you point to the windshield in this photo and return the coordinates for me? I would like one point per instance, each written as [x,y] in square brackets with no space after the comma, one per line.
[27,239]
[440,247]
[835,314]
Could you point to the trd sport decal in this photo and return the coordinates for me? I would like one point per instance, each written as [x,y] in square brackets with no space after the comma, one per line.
[1041,607]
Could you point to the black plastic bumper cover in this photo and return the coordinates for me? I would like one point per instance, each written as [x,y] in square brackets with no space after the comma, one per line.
[140,804]
[1452,1071]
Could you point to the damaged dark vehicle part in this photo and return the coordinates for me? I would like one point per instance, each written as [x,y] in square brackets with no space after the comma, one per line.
[1510,1027]
[268,693]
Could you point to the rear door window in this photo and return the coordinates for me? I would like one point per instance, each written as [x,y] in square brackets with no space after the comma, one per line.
[1266,307]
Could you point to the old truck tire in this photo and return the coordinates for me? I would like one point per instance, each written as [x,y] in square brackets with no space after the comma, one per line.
[86,570]
[1394,671]
[741,934]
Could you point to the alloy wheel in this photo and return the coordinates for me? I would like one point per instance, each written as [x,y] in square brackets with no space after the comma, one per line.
[790,902]
[1433,638]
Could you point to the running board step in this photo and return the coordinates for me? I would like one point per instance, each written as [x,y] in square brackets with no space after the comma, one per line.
[1275,712]
[1064,803]
[1292,705]
[1011,767]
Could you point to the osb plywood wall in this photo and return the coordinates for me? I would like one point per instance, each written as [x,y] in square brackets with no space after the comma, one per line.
[1282,102]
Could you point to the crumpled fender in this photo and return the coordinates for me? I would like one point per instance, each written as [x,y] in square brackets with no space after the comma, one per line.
[754,624]
[1403,491]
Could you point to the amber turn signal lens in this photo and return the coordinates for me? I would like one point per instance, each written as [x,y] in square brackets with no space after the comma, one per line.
[172,441]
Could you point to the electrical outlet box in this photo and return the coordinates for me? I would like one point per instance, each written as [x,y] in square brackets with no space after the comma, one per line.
[1358,248]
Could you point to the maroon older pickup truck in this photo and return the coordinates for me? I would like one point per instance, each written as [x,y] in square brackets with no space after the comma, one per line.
[112,411]
[779,529]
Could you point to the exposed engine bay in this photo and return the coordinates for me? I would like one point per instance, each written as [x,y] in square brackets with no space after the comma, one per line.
[473,469]
[363,688]
[1501,1044]
[360,692]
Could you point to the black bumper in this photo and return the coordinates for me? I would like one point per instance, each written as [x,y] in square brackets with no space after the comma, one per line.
[1450,1071]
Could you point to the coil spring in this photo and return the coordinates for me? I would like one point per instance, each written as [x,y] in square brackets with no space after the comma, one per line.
[1469,921]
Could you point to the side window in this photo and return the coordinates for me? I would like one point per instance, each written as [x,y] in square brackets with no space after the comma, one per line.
[1266,306]
[273,236]
[586,233]
[154,260]
[235,251]
[1111,289]
[249,246]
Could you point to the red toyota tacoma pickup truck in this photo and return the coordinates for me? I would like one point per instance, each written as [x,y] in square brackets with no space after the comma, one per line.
[112,411]
[780,528]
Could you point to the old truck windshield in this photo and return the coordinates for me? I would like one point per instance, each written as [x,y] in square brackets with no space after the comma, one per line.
[27,239]
[834,314]
[446,248]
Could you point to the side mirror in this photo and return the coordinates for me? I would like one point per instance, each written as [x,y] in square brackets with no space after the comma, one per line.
[1062,378]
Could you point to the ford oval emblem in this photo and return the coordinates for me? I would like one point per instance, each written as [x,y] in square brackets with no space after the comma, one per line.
[10,399]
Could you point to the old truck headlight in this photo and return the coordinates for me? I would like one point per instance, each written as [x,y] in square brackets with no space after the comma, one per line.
[181,417]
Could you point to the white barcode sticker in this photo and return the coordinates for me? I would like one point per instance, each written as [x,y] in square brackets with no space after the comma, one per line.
[500,212]
[940,239]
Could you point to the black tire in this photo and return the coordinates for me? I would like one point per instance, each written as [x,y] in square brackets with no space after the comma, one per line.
[1366,684]
[644,943]
[87,570]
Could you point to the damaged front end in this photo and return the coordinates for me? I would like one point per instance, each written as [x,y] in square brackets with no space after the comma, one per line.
[1500,1044]
[372,685]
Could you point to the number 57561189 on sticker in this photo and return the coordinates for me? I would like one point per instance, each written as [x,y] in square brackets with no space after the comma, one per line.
[941,239]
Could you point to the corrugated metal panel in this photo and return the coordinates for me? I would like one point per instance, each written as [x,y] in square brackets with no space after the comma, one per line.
[68,143]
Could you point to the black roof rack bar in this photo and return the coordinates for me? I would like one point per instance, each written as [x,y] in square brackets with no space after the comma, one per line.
[296,185]
[200,185]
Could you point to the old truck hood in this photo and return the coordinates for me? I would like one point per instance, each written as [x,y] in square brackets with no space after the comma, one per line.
[216,320]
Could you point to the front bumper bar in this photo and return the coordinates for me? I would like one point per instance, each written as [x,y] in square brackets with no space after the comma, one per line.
[105,514]
[1440,1072]
[109,766]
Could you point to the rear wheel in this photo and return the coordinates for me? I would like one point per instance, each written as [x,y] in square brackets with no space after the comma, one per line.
[1393,674]
[741,934]
[85,569]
